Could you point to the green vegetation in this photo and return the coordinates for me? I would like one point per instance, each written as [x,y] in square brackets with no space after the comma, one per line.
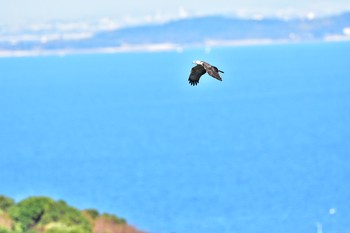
[5,203]
[114,219]
[92,213]
[44,215]
[39,212]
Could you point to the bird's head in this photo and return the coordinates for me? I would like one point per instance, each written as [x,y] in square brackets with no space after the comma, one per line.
[197,62]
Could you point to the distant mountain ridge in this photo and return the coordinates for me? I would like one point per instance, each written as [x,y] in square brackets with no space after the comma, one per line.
[196,30]
[189,32]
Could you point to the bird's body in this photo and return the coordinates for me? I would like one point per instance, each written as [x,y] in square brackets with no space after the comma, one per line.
[202,68]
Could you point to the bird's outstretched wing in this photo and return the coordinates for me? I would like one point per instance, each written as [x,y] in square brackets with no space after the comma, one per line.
[212,71]
[196,74]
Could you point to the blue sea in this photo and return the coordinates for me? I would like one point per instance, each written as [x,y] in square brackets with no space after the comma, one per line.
[266,150]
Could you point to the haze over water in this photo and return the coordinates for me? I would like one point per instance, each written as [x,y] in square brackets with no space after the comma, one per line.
[266,150]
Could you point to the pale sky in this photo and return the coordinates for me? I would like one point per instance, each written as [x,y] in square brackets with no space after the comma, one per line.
[39,11]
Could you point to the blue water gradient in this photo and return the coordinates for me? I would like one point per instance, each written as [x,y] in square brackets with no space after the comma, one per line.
[266,150]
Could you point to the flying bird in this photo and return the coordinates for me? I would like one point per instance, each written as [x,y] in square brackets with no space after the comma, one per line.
[201,68]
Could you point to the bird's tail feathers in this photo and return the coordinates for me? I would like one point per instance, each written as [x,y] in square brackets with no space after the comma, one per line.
[221,71]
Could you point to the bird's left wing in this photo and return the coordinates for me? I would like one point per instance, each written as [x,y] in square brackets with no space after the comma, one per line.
[196,74]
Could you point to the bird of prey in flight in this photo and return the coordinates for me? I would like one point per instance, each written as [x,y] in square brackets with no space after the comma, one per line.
[201,68]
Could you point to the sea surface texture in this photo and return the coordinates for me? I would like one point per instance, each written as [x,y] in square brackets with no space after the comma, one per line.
[265,150]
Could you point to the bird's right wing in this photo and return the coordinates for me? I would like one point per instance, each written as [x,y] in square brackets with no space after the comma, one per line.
[196,74]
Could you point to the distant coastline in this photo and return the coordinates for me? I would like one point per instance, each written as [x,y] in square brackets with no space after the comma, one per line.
[164,47]
[204,32]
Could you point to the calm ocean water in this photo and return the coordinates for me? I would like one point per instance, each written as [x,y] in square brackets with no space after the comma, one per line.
[266,150]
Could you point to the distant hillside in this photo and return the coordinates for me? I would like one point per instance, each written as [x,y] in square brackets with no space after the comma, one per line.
[200,30]
[189,32]
[44,215]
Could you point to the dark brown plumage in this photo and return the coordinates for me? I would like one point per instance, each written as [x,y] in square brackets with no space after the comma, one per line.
[202,68]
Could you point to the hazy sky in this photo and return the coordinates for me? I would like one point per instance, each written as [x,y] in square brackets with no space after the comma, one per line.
[35,11]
